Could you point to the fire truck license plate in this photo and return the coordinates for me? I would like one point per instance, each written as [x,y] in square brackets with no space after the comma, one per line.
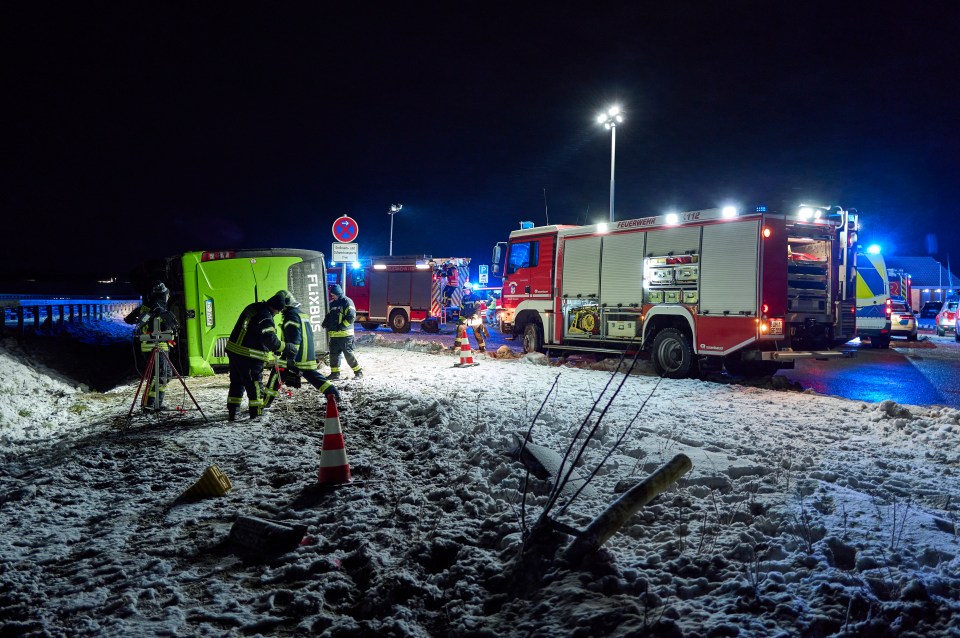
[776,327]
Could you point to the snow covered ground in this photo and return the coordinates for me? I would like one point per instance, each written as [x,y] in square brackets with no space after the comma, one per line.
[803,515]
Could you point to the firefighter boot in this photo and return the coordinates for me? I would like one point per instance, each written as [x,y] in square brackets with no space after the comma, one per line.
[231,413]
[254,413]
[333,376]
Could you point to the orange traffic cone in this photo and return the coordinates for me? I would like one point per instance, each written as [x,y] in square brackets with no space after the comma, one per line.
[213,483]
[334,467]
[462,344]
[466,355]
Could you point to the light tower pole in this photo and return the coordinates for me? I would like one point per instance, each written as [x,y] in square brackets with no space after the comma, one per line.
[610,118]
[394,209]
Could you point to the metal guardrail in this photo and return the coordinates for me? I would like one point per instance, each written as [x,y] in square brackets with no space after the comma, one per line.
[45,310]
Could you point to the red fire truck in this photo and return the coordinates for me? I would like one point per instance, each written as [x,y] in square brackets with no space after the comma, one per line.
[696,290]
[901,285]
[399,291]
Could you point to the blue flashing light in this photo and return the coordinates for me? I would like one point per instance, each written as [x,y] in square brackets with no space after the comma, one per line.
[526,225]
[333,264]
[873,249]
[356,265]
[761,209]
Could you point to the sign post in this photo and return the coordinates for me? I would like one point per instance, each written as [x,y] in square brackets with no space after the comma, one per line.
[345,230]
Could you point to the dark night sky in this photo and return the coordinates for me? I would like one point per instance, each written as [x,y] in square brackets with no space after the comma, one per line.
[140,130]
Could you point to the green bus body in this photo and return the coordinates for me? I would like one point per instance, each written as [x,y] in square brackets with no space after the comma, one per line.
[209,290]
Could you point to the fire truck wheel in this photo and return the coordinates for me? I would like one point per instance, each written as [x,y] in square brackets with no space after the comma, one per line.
[532,338]
[399,321]
[672,355]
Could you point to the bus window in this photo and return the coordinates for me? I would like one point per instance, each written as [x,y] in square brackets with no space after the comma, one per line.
[523,255]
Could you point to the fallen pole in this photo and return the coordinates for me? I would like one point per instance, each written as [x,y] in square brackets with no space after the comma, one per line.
[613,518]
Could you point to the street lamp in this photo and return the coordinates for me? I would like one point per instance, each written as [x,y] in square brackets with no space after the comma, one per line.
[610,118]
[394,209]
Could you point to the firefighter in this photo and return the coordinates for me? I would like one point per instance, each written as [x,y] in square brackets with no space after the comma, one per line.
[452,274]
[144,316]
[339,325]
[470,315]
[252,344]
[299,355]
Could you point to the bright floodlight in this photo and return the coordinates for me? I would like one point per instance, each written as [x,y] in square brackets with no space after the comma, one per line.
[602,227]
[806,213]
[874,249]
[729,211]
[610,118]
[672,218]
[394,209]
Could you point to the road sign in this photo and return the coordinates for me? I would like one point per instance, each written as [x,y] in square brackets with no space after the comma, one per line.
[343,252]
[484,276]
[345,229]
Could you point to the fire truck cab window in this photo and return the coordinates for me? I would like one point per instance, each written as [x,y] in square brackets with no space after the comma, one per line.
[359,277]
[523,255]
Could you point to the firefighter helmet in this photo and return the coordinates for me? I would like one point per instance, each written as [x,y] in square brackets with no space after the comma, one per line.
[289,301]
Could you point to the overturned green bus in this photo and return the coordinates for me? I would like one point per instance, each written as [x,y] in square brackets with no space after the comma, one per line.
[209,290]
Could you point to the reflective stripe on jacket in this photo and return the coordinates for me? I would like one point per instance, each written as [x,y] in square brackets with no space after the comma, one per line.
[255,335]
[345,313]
[298,340]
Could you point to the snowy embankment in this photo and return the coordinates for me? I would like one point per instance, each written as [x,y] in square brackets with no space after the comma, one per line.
[803,515]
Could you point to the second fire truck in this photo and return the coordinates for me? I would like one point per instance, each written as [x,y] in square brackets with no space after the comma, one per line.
[698,290]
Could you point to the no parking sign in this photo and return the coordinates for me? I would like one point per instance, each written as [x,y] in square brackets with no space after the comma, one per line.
[345,229]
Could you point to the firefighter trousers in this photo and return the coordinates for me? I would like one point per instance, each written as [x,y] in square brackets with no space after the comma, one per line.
[158,385]
[246,375]
[313,377]
[344,346]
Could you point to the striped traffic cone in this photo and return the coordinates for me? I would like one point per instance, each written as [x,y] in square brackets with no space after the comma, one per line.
[334,467]
[466,355]
[213,483]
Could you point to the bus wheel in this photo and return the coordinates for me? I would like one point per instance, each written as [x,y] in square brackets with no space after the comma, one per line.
[430,326]
[532,338]
[672,355]
[399,321]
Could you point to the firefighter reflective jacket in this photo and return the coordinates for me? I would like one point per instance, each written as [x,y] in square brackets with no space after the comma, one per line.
[144,319]
[255,334]
[298,339]
[469,306]
[344,313]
